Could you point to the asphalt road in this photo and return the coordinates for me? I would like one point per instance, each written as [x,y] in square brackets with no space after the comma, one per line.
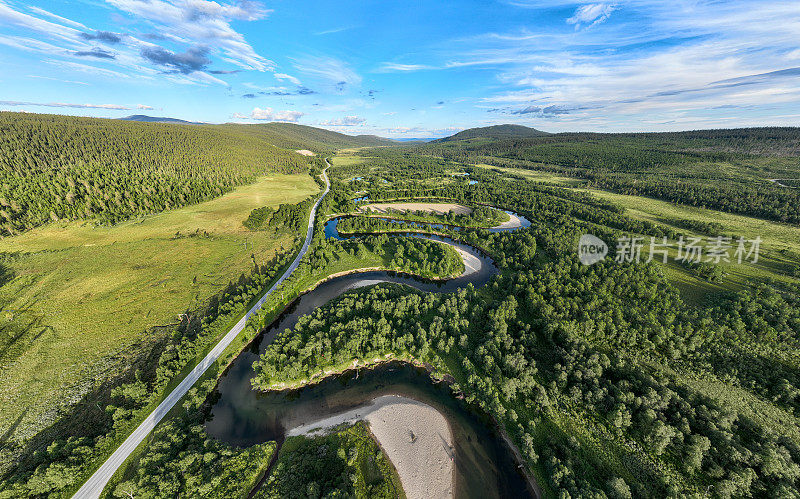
[95,484]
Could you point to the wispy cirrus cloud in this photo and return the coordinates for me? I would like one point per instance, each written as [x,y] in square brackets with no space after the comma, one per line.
[61,20]
[642,56]
[284,76]
[31,44]
[63,104]
[39,77]
[391,67]
[591,14]
[20,19]
[205,23]
[329,70]
[87,68]
[333,30]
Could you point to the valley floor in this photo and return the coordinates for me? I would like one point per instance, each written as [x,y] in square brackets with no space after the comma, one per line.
[79,294]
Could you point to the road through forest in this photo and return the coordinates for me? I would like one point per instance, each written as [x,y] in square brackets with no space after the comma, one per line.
[95,484]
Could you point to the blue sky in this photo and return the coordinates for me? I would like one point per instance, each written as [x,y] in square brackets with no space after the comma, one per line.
[408,69]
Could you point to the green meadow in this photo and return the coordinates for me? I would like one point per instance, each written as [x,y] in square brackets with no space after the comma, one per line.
[76,295]
[779,247]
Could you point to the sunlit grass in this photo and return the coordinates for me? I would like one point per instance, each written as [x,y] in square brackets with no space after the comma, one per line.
[95,290]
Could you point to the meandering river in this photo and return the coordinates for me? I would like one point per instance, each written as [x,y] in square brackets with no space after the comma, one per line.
[242,416]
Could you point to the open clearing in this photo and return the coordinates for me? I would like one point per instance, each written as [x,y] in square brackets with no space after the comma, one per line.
[416,438]
[780,246]
[537,175]
[81,293]
[436,208]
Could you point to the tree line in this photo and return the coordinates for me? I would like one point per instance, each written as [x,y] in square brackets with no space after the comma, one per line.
[590,369]
[70,168]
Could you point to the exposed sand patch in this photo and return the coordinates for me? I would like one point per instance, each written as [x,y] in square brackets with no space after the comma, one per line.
[305,152]
[416,438]
[437,208]
[472,264]
[513,223]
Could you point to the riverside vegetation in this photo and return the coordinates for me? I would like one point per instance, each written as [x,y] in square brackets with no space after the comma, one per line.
[607,378]
[88,307]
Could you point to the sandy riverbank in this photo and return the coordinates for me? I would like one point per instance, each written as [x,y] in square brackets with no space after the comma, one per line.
[437,208]
[416,438]
[512,223]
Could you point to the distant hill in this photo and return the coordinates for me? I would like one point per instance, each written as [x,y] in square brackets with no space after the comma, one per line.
[156,119]
[495,132]
[284,135]
[294,136]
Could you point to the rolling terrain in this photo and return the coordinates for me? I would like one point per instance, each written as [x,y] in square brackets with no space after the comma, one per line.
[94,296]
[617,379]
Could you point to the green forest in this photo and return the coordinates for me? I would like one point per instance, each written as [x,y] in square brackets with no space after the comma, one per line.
[62,168]
[345,463]
[617,379]
[727,170]
[604,376]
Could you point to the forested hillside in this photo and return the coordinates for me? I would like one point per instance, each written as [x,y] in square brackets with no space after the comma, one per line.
[495,132]
[728,170]
[294,136]
[70,168]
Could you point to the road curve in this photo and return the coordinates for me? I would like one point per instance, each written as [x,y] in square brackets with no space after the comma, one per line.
[96,483]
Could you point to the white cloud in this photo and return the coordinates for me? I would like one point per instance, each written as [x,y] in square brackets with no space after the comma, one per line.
[346,121]
[62,20]
[11,16]
[63,104]
[144,108]
[390,67]
[283,76]
[267,114]
[328,69]
[591,14]
[203,22]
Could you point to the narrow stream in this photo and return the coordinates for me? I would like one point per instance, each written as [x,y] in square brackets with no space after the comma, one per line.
[243,416]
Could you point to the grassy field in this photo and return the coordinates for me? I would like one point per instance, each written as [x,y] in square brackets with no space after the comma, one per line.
[79,293]
[346,157]
[780,246]
[537,175]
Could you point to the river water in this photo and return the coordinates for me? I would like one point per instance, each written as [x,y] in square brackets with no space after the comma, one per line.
[243,416]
